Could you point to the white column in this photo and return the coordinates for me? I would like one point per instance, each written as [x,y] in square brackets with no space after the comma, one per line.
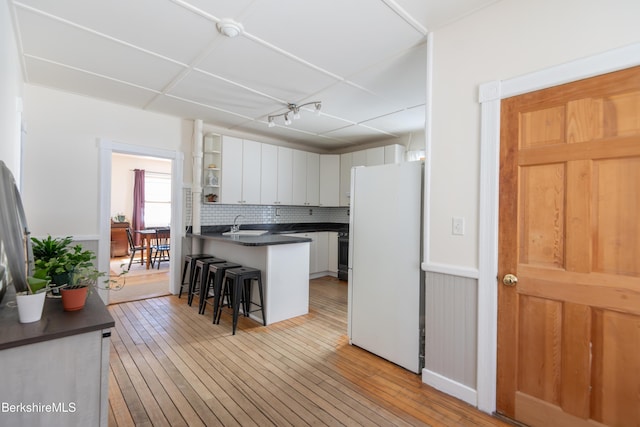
[196,186]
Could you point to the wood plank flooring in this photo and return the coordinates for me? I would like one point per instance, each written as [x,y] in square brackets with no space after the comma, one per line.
[170,366]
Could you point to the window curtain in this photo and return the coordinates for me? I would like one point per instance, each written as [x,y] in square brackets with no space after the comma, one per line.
[137,219]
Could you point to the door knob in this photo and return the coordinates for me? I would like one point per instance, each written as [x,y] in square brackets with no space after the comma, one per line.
[510,280]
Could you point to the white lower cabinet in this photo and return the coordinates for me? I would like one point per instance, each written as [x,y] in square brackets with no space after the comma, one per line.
[323,252]
[332,251]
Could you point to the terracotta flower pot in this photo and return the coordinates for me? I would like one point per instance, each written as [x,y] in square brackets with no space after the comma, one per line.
[74,299]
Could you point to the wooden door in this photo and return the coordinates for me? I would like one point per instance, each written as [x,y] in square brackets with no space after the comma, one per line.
[569,330]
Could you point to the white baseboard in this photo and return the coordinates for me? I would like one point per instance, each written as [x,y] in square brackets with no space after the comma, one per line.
[322,274]
[453,388]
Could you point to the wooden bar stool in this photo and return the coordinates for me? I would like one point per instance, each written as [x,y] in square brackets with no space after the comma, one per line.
[190,266]
[213,286]
[200,276]
[238,283]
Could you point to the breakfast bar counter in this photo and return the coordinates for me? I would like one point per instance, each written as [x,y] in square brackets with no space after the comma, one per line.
[283,261]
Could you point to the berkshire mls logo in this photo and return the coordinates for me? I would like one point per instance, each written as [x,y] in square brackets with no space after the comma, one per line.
[59,407]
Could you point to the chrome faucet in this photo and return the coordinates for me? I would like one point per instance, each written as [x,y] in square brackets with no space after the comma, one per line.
[236,227]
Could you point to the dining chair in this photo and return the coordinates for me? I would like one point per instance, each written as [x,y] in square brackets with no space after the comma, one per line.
[160,247]
[133,249]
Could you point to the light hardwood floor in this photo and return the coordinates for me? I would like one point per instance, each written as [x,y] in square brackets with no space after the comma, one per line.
[173,367]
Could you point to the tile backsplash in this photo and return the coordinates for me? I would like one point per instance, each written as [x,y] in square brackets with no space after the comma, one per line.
[214,214]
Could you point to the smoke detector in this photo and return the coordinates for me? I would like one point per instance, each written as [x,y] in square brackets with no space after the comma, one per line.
[230,28]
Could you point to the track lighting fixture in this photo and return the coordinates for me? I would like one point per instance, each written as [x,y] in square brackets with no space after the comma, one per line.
[294,111]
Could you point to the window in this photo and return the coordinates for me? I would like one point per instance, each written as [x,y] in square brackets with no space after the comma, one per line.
[157,203]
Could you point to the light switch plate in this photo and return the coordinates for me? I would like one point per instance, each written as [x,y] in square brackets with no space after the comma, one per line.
[457,226]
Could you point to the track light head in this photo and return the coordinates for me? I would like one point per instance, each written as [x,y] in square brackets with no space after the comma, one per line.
[294,110]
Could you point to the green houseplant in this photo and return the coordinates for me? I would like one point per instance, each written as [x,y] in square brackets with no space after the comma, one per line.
[56,259]
[71,270]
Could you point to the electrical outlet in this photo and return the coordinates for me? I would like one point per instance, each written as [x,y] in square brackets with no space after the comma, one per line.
[277,211]
[310,211]
[457,226]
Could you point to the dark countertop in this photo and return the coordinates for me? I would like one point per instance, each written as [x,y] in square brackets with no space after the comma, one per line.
[298,227]
[268,239]
[273,237]
[55,322]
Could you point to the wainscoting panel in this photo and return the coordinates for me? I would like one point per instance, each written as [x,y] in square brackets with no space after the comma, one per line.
[451,327]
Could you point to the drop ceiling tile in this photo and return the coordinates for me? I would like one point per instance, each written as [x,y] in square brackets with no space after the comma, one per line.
[188,110]
[358,134]
[66,79]
[222,8]
[208,90]
[291,135]
[339,36]
[309,122]
[150,24]
[402,80]
[353,104]
[57,42]
[409,120]
[277,75]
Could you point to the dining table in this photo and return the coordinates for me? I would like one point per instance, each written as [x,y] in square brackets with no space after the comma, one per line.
[148,235]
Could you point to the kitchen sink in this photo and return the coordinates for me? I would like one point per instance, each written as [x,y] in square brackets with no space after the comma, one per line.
[245,233]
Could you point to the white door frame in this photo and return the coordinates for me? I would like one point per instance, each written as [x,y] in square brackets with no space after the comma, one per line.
[491,94]
[107,148]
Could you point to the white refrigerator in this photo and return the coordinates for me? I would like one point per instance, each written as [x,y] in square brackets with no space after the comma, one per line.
[386,285]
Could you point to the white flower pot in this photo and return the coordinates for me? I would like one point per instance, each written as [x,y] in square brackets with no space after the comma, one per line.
[30,307]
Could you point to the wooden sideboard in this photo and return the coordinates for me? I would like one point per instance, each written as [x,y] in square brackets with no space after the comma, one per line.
[119,241]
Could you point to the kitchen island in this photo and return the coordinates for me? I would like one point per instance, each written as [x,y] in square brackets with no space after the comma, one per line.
[283,261]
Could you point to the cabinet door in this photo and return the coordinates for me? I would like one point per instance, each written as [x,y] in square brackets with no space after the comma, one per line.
[313,252]
[269,175]
[333,251]
[322,251]
[251,172]
[345,178]
[394,153]
[231,183]
[313,179]
[299,188]
[375,156]
[285,175]
[329,180]
[359,158]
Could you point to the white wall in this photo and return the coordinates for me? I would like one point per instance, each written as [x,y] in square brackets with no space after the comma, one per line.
[11,86]
[122,179]
[61,154]
[506,40]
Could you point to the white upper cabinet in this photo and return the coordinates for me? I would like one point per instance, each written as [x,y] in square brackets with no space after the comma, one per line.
[345,178]
[329,180]
[359,158]
[240,171]
[269,175]
[306,178]
[394,153]
[276,172]
[375,156]
[285,175]
[313,179]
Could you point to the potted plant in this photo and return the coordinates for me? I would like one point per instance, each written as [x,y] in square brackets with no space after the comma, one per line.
[31,302]
[74,295]
[58,260]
